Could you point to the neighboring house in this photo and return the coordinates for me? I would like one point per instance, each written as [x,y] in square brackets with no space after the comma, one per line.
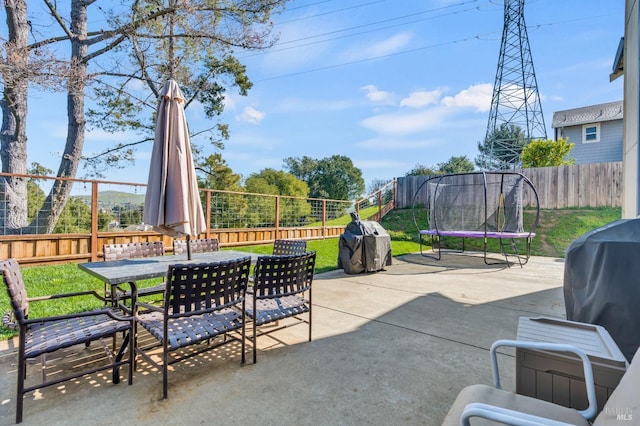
[595,131]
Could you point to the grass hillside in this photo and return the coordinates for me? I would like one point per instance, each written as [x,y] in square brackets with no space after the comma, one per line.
[116,198]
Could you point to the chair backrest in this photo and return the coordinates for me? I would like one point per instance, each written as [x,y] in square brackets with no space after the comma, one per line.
[197,246]
[288,247]
[205,286]
[133,250]
[283,275]
[12,277]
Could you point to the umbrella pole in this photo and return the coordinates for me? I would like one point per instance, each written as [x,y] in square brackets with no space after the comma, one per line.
[188,247]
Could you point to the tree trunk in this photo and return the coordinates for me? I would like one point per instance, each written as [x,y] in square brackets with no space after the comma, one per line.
[57,198]
[13,134]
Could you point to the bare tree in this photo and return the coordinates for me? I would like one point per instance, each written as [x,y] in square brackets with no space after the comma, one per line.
[142,45]
[14,112]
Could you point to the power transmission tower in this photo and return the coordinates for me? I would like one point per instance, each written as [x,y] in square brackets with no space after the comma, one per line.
[516,113]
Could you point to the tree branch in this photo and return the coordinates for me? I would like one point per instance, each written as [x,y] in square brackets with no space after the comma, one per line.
[116,149]
[58,18]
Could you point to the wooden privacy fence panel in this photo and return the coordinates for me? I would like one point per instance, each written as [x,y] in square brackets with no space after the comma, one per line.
[583,185]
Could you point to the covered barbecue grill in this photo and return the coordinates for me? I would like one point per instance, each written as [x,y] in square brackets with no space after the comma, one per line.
[601,281]
[364,246]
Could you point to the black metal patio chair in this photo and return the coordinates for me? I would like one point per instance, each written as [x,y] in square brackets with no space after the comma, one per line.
[281,289]
[201,245]
[203,304]
[288,247]
[41,336]
[137,250]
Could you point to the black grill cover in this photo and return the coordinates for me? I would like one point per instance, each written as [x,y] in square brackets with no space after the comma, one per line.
[601,281]
[364,246]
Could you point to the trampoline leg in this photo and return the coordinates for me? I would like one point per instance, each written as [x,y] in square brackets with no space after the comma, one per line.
[422,253]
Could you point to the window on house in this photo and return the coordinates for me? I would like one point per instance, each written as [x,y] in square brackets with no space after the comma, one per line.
[591,133]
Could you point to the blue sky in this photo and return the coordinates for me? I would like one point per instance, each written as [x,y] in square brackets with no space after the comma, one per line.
[388,83]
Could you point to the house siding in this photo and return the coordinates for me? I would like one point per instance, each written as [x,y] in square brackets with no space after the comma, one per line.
[609,116]
[608,149]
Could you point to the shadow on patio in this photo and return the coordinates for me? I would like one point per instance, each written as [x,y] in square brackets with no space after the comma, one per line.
[393,347]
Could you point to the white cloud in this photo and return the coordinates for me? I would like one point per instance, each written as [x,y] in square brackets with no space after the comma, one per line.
[477,96]
[229,102]
[422,98]
[398,123]
[378,96]
[377,49]
[251,115]
[390,45]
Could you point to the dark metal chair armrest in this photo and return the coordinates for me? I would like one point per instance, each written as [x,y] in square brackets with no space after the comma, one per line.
[75,315]
[148,306]
[66,295]
[278,295]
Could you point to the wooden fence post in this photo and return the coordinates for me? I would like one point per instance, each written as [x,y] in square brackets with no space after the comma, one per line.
[277,217]
[324,218]
[207,200]
[94,221]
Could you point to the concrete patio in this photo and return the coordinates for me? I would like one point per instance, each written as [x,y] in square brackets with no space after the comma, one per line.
[390,348]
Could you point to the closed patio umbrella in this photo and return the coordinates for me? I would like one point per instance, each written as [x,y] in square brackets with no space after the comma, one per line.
[172,204]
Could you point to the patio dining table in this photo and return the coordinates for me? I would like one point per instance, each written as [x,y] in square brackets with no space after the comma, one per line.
[116,272]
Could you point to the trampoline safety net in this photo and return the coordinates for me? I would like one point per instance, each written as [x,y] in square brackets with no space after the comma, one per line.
[469,202]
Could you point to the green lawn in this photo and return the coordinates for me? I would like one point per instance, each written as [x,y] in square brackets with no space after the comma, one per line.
[556,231]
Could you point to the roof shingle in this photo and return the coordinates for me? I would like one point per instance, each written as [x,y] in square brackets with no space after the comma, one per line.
[589,114]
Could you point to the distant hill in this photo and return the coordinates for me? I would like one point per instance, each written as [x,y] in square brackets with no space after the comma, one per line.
[115,197]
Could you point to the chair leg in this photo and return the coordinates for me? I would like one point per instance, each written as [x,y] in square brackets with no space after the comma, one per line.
[43,367]
[22,373]
[116,370]
[244,333]
[132,353]
[165,369]
[255,354]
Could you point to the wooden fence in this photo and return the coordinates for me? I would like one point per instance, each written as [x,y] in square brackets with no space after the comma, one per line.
[584,185]
[277,220]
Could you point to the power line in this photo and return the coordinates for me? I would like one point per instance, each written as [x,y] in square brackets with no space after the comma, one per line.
[307,5]
[331,12]
[402,52]
[361,32]
[387,20]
